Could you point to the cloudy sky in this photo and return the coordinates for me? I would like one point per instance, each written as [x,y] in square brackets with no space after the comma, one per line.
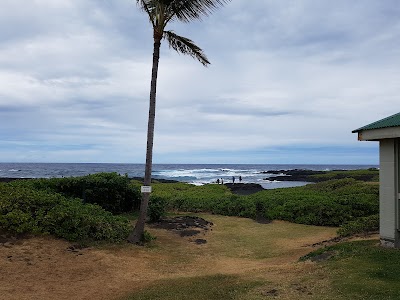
[288,82]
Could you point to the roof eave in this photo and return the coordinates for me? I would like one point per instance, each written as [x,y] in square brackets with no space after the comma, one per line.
[378,134]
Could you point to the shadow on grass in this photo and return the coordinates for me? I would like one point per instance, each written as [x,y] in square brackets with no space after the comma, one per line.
[216,287]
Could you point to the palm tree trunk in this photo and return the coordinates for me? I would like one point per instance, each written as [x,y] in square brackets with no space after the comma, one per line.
[137,233]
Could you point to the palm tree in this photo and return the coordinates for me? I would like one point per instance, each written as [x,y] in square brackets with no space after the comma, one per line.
[160,13]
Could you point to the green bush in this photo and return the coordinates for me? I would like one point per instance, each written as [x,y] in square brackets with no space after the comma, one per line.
[361,225]
[371,174]
[329,203]
[212,198]
[147,237]
[25,210]
[234,206]
[111,191]
[157,208]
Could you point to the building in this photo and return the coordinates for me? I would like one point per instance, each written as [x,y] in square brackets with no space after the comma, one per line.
[387,132]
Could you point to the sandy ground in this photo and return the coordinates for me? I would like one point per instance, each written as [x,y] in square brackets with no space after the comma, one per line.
[49,268]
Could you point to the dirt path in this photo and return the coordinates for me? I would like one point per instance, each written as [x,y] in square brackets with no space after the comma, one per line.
[47,268]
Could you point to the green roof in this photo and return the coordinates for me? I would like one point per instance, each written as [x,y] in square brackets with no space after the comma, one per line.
[392,121]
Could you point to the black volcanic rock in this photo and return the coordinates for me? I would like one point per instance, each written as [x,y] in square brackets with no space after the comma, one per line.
[274,171]
[244,188]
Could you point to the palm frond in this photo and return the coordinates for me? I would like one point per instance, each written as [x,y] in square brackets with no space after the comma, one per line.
[148,7]
[188,10]
[185,46]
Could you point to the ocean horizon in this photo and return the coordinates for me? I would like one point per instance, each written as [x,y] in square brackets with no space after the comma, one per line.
[197,174]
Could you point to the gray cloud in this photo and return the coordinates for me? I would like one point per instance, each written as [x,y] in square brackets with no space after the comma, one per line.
[75,77]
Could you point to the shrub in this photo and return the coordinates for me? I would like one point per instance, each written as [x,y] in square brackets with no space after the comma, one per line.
[24,210]
[157,208]
[329,203]
[235,206]
[147,237]
[76,221]
[371,174]
[360,225]
[111,191]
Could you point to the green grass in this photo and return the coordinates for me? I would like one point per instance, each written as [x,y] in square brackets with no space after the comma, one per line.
[364,175]
[216,287]
[363,270]
[248,239]
[358,270]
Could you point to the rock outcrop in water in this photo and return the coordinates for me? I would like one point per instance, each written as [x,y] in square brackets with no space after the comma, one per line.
[293,175]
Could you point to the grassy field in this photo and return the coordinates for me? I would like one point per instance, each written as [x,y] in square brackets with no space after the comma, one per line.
[363,270]
[241,260]
[247,260]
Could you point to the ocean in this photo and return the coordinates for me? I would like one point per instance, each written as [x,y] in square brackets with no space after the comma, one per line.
[197,174]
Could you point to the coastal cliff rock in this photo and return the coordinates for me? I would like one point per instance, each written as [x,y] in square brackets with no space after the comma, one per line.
[244,188]
[294,175]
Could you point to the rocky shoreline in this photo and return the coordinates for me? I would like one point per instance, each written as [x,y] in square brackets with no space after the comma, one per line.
[244,188]
[294,175]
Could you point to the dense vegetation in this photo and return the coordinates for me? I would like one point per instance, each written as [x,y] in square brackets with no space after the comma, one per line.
[83,207]
[27,210]
[330,203]
[362,225]
[371,174]
[213,198]
[111,191]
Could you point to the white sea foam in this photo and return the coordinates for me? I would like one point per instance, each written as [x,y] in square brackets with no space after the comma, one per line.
[205,173]
[200,176]
[197,174]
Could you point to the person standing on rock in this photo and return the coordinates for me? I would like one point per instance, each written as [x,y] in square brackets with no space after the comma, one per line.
[218,181]
[240,178]
[233,179]
[222,181]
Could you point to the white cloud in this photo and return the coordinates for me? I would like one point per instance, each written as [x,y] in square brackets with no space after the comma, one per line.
[75,78]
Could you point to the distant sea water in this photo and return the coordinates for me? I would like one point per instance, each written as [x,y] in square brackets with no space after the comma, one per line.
[197,174]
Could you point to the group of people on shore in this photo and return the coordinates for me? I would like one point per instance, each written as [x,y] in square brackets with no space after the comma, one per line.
[221,181]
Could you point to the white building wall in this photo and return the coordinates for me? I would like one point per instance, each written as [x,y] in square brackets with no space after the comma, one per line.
[387,192]
[379,134]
